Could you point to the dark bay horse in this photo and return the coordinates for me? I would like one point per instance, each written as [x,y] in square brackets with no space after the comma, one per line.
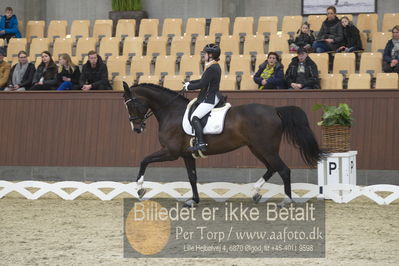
[260,127]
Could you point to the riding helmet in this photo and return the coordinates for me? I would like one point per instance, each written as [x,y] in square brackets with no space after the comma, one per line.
[212,49]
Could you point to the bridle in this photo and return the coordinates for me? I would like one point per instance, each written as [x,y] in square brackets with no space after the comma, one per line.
[141,118]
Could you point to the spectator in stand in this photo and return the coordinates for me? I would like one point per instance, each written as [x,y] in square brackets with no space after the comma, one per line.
[9,25]
[304,39]
[270,74]
[330,36]
[352,41]
[94,74]
[68,74]
[302,72]
[21,75]
[45,77]
[4,68]
[391,52]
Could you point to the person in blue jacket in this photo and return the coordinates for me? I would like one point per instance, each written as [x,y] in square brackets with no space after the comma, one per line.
[270,74]
[391,52]
[9,25]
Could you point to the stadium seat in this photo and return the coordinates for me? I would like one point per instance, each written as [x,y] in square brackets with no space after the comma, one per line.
[116,66]
[240,63]
[133,46]
[57,29]
[279,43]
[195,26]
[286,59]
[222,64]
[149,79]
[243,26]
[228,83]
[80,29]
[201,41]
[230,44]
[367,23]
[316,21]
[247,83]
[359,81]
[331,81]
[109,47]
[180,45]
[140,65]
[21,26]
[15,45]
[190,63]
[174,82]
[344,63]
[291,24]
[37,46]
[386,81]
[260,58]
[172,27]
[165,65]
[321,60]
[219,26]
[156,46]
[125,28]
[267,25]
[371,63]
[149,27]
[389,20]
[35,29]
[83,46]
[380,40]
[254,44]
[118,82]
[62,46]
[363,39]
[102,30]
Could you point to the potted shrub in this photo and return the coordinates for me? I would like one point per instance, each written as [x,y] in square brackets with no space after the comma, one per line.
[127,9]
[336,122]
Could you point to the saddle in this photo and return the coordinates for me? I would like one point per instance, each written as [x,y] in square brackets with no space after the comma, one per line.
[213,122]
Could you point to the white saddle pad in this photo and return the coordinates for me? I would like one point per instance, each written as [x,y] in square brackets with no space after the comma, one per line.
[215,121]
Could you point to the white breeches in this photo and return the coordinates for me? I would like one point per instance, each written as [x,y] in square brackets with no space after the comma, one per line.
[204,108]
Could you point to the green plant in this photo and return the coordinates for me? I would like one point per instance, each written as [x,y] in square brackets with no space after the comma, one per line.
[333,115]
[126,5]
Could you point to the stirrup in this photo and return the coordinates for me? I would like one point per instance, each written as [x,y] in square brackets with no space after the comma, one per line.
[198,147]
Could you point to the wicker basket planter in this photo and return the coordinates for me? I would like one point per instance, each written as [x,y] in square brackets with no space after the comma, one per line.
[336,138]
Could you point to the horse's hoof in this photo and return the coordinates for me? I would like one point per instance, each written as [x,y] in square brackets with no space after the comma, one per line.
[284,202]
[257,197]
[141,192]
[190,203]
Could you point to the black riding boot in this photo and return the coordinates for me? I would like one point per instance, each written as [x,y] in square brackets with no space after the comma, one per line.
[200,145]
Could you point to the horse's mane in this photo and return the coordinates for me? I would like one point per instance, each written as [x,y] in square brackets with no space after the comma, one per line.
[162,89]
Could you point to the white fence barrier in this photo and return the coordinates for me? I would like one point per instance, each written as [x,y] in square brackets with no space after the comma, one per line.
[230,190]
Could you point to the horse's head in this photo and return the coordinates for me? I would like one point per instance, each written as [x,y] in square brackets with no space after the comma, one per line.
[137,109]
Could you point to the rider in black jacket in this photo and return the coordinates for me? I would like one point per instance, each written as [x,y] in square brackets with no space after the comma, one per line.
[209,95]
[302,72]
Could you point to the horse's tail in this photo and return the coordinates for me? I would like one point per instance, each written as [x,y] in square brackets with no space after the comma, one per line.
[297,132]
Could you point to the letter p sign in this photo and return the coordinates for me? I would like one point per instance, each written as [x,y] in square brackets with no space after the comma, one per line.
[331,167]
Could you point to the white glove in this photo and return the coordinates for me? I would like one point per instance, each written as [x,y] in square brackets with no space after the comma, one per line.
[185,86]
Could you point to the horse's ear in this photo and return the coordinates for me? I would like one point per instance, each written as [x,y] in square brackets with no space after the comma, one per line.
[126,87]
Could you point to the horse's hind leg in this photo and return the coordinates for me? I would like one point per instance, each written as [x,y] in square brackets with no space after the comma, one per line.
[285,173]
[192,176]
[269,173]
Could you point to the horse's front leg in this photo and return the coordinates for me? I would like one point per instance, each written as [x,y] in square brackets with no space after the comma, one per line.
[159,156]
[192,176]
